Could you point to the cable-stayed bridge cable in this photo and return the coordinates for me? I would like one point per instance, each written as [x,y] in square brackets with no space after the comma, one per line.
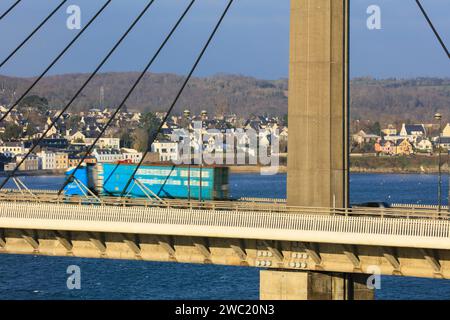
[138,80]
[10,9]
[55,60]
[169,111]
[32,33]
[436,33]
[105,59]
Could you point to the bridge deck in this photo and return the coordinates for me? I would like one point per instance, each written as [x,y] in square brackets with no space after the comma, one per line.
[243,220]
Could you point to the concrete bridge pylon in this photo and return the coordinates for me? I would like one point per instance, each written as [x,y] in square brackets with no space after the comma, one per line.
[318,138]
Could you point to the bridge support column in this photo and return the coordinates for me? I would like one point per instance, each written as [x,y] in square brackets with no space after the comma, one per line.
[308,285]
[318,104]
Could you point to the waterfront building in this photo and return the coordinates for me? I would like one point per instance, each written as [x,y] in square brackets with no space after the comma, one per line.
[75,159]
[414,130]
[131,155]
[362,137]
[403,148]
[424,145]
[13,147]
[47,160]
[385,147]
[107,155]
[31,163]
[167,150]
[61,160]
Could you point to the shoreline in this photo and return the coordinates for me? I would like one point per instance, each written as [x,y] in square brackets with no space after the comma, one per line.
[283,169]
[258,169]
[34,173]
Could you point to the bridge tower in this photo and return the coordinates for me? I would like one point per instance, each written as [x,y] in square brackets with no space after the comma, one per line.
[318,104]
[318,138]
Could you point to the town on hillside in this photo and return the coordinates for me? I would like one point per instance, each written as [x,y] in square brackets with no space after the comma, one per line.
[125,141]
[407,140]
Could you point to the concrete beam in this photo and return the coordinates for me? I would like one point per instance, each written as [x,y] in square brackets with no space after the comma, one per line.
[391,257]
[132,244]
[313,251]
[167,244]
[323,257]
[98,242]
[240,252]
[350,253]
[274,250]
[32,240]
[202,246]
[64,240]
[2,239]
[431,257]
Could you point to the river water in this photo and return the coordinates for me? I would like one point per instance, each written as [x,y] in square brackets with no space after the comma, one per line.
[37,277]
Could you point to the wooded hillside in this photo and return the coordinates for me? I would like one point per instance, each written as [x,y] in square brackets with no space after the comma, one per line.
[386,101]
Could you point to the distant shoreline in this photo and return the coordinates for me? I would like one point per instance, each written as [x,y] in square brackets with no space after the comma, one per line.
[392,170]
[35,173]
[368,168]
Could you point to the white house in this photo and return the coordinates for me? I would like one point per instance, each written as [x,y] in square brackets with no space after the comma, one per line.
[105,143]
[362,137]
[107,155]
[424,145]
[167,150]
[47,160]
[13,148]
[414,130]
[131,155]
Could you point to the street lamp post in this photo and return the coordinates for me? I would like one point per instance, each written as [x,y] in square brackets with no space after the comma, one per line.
[438,117]
[187,116]
[204,115]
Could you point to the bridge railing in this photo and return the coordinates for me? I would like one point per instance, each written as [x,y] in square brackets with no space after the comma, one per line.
[418,206]
[366,230]
[235,206]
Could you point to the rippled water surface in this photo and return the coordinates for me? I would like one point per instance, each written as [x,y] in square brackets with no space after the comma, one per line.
[36,277]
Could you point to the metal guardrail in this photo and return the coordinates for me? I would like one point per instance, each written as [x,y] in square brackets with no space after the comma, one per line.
[364,230]
[418,206]
[258,204]
[235,206]
[35,191]
[393,205]
[268,200]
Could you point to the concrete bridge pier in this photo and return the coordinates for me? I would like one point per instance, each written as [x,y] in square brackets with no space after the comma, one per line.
[318,138]
[309,285]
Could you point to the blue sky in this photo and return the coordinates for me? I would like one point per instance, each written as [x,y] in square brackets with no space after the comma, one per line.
[254,39]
